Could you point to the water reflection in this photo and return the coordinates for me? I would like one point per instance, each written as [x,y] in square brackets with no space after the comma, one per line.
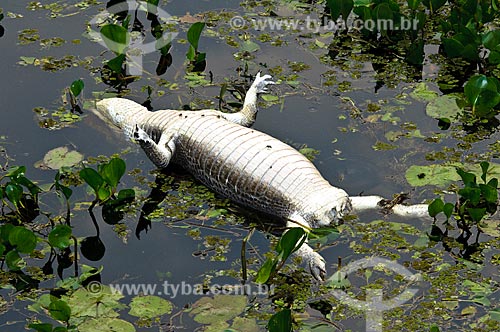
[460,245]
[114,72]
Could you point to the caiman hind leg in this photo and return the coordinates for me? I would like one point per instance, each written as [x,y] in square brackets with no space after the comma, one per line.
[159,153]
[314,261]
[364,203]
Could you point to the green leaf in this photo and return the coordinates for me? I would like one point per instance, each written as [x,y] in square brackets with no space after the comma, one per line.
[484,168]
[92,178]
[191,54]
[126,195]
[126,22]
[434,328]
[41,327]
[363,11]
[116,64]
[23,239]
[471,194]
[415,54]
[265,271]
[14,261]
[194,33]
[77,87]
[66,191]
[113,171]
[448,210]
[494,57]
[60,329]
[476,213]
[444,123]
[115,37]
[482,92]
[14,193]
[435,207]
[103,193]
[495,314]
[5,232]
[2,249]
[434,5]
[490,194]
[60,236]
[59,310]
[200,57]
[147,307]
[493,183]
[15,171]
[33,188]
[281,321]
[413,4]
[491,39]
[483,300]
[323,235]
[469,179]
[383,12]
[340,7]
[453,47]
[290,241]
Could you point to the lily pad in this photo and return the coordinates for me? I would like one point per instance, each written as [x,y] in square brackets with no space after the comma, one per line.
[490,227]
[442,175]
[438,175]
[443,107]
[105,324]
[218,309]
[249,46]
[423,93]
[60,157]
[60,236]
[98,301]
[149,306]
[338,280]
[245,324]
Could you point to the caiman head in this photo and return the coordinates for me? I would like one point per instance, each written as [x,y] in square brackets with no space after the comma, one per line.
[330,209]
[120,113]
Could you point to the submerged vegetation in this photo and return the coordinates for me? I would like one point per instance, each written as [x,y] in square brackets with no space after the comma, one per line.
[438,57]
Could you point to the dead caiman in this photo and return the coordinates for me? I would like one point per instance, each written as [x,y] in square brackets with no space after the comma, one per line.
[243,164]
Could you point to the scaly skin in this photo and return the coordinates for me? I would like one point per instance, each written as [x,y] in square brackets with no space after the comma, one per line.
[245,165]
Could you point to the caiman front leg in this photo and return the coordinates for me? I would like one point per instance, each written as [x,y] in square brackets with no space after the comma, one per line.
[246,117]
[159,153]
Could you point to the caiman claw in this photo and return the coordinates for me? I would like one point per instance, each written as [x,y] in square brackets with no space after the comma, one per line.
[317,266]
[140,135]
[261,83]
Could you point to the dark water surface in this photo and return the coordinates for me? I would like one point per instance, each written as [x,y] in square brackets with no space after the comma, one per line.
[312,117]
